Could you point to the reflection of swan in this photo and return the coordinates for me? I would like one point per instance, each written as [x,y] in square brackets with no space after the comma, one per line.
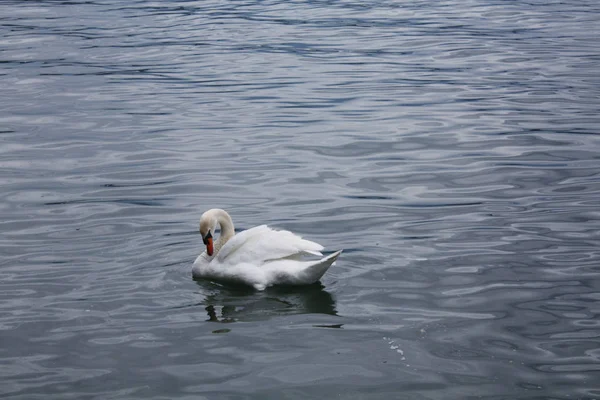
[240,303]
[259,256]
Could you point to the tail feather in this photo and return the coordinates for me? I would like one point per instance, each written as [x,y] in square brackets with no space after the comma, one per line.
[318,269]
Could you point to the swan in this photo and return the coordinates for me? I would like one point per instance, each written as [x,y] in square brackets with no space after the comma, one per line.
[259,257]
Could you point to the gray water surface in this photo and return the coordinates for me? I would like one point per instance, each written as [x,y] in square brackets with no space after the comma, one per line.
[450,148]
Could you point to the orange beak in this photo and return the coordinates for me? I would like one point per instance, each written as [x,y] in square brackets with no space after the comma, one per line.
[209,247]
[208,241]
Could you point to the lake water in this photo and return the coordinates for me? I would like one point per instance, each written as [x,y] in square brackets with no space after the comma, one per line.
[451,148]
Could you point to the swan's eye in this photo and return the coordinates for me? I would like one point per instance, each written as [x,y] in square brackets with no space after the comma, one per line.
[205,238]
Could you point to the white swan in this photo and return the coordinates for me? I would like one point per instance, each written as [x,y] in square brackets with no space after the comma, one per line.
[259,256]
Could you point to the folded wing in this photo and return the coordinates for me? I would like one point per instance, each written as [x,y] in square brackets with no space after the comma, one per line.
[262,244]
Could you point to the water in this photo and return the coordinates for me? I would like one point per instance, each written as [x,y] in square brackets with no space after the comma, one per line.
[451,148]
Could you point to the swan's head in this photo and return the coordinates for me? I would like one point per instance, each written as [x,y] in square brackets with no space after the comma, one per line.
[208,224]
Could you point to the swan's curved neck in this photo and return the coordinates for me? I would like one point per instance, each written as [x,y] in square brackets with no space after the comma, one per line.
[227,229]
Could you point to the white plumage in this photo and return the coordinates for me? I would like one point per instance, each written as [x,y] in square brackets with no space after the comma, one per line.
[259,256]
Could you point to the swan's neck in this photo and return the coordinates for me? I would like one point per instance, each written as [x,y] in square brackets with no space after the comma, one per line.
[227,229]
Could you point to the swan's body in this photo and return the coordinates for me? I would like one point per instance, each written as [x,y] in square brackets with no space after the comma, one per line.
[259,256]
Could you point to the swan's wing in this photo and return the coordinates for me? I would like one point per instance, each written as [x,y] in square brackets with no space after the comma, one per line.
[260,244]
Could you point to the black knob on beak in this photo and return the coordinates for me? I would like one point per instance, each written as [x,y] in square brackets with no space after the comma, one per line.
[205,238]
